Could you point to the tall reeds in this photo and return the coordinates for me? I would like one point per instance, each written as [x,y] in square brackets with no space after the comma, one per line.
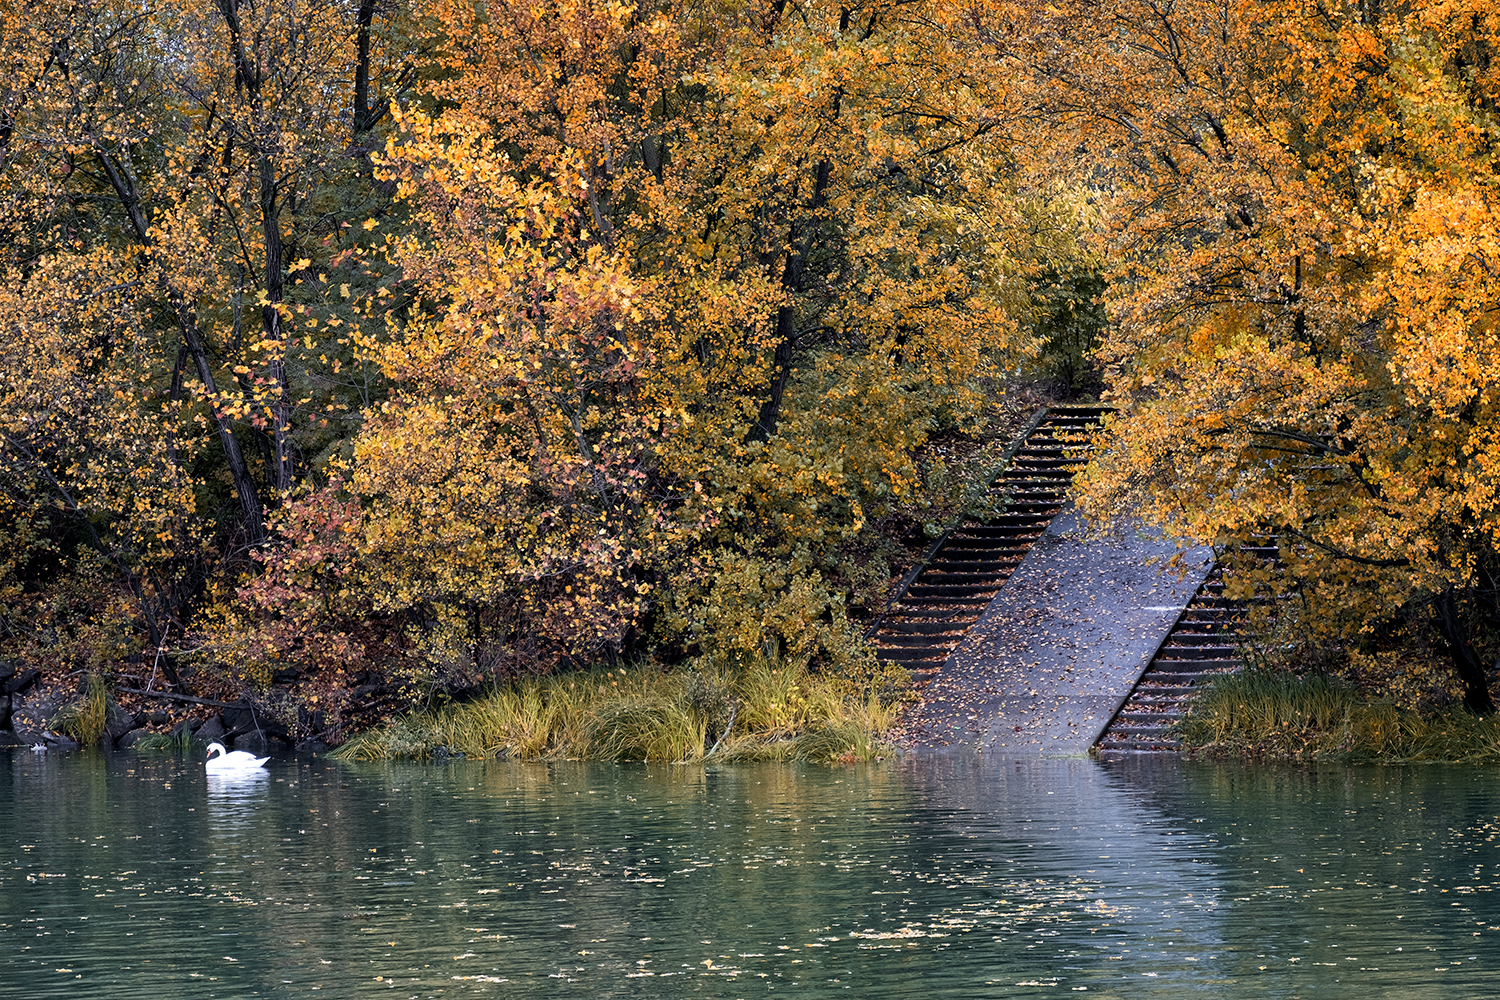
[767,709]
[86,719]
[1316,717]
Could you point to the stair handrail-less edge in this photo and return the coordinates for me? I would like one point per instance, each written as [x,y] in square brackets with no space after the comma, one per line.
[970,499]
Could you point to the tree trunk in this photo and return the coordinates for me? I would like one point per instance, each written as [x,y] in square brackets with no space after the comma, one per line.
[1476,684]
[786,316]
[239,473]
[781,372]
[250,75]
[364,116]
[244,486]
[281,403]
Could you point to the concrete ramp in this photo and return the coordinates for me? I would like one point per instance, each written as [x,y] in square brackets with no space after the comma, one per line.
[1061,645]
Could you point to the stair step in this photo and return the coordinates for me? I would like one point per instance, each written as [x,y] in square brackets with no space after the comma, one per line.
[1055,495]
[916,641]
[950,604]
[1120,746]
[933,613]
[1042,485]
[1016,536]
[921,628]
[912,655]
[1149,717]
[993,578]
[969,547]
[1157,731]
[1004,561]
[1178,648]
[923,592]
[1179,665]
[1184,677]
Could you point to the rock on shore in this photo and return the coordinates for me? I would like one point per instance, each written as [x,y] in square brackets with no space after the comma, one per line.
[29,705]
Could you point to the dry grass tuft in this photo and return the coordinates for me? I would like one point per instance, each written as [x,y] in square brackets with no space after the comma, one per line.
[766,709]
[85,719]
[1282,715]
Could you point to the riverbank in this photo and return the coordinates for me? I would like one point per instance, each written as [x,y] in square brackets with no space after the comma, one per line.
[1283,716]
[163,698]
[767,710]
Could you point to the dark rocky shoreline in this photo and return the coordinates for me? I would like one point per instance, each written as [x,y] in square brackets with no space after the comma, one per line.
[30,706]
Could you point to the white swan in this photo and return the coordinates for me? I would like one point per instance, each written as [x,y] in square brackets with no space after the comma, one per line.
[221,760]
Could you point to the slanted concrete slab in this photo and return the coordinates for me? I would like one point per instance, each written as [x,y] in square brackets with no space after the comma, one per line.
[1060,647]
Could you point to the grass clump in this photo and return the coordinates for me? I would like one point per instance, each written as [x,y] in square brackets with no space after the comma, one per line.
[179,742]
[1316,717]
[86,718]
[767,709]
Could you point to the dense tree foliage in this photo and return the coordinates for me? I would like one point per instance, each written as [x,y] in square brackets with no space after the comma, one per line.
[705,282]
[179,188]
[372,348]
[368,345]
[1303,248]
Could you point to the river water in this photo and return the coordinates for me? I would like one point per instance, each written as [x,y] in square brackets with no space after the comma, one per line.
[125,876]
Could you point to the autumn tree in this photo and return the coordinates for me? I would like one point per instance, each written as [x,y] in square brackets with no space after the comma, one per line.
[178,185]
[92,480]
[1302,239]
[704,277]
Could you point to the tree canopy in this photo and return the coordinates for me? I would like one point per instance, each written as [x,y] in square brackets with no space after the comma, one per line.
[1301,247]
[370,348]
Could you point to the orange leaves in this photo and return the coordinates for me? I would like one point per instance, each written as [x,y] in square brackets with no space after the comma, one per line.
[1306,338]
[1439,281]
[686,277]
[508,472]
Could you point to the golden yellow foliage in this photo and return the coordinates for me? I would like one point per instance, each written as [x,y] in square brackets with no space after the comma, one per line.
[1302,250]
[691,283]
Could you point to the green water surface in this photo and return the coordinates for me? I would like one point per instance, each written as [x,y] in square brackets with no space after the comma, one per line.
[138,876]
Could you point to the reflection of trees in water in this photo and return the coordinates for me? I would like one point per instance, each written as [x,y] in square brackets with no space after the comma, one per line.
[519,866]
[206,868]
[621,863]
[646,850]
[945,869]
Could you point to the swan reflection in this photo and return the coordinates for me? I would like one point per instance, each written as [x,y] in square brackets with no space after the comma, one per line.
[234,797]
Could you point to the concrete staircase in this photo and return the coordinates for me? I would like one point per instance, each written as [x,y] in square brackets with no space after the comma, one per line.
[1203,645]
[965,568]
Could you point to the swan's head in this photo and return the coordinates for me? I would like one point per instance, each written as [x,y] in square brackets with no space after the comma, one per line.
[215,750]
